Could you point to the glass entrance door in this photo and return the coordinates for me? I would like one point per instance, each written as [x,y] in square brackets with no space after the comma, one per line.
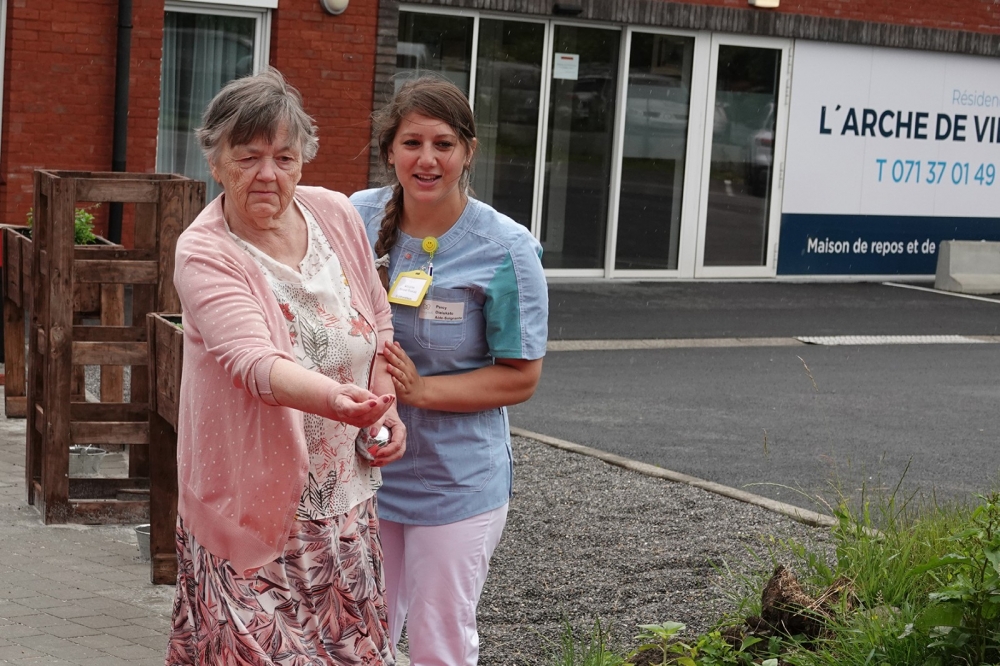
[578,149]
[740,202]
[654,151]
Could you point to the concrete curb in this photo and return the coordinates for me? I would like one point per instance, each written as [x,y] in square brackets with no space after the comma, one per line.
[804,516]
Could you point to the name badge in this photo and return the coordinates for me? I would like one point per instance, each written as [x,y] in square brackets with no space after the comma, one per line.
[442,311]
[410,288]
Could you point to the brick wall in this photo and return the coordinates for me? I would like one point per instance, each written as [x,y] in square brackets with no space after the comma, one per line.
[60,88]
[330,59]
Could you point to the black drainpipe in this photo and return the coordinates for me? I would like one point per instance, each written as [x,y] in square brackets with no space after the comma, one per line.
[120,139]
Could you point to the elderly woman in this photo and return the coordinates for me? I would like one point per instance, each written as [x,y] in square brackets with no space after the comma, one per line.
[283,383]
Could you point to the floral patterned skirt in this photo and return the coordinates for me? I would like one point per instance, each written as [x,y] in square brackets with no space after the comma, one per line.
[322,603]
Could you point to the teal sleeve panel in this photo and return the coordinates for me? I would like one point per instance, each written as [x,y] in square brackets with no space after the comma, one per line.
[503,316]
[516,307]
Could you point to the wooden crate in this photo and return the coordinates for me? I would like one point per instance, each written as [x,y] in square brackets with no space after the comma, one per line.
[163,206]
[17,268]
[166,358]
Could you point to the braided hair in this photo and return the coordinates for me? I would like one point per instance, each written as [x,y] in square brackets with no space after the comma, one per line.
[430,96]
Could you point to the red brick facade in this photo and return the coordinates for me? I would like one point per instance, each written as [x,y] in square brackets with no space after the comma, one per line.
[59,79]
[331,60]
[59,89]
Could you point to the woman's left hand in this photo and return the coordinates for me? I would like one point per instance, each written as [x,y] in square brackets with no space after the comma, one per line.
[407,381]
[397,441]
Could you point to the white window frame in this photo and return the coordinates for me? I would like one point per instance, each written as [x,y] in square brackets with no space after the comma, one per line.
[255,9]
[260,4]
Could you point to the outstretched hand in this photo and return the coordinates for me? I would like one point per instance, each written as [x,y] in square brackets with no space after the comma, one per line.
[407,381]
[355,406]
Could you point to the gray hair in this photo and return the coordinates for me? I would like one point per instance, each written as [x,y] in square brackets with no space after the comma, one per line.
[255,107]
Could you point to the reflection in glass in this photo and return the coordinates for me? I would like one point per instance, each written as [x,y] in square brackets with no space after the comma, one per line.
[656,125]
[739,189]
[201,53]
[578,154]
[508,90]
[436,43]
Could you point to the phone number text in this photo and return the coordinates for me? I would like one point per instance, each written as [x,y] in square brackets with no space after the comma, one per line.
[930,172]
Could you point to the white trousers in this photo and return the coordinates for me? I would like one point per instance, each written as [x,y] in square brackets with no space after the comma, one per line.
[434,576]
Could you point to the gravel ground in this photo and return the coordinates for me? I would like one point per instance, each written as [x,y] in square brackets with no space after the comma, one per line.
[589,541]
[586,540]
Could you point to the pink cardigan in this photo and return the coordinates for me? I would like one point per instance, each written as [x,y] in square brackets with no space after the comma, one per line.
[242,459]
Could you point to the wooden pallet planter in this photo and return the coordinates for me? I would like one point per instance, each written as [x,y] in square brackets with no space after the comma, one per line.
[166,358]
[17,268]
[162,206]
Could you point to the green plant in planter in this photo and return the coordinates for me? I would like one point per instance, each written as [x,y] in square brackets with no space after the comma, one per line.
[83,226]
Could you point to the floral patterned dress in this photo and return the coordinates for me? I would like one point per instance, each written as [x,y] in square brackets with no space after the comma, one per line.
[323,602]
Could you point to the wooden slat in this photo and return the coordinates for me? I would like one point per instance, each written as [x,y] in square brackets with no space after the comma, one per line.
[112,316]
[15,380]
[109,432]
[111,253]
[15,407]
[110,353]
[86,298]
[167,359]
[101,488]
[162,500]
[108,411]
[54,233]
[116,190]
[109,334]
[123,272]
[163,567]
[102,512]
[109,175]
[12,270]
[27,270]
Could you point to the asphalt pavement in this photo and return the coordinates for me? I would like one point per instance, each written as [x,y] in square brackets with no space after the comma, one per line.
[711,380]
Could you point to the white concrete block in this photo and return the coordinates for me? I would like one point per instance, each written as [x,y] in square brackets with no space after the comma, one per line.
[968,267]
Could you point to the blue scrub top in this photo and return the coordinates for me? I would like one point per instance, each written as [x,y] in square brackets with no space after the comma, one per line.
[488,300]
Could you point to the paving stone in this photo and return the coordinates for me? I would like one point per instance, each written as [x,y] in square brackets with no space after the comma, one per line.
[14,652]
[131,631]
[99,621]
[102,641]
[136,652]
[43,621]
[71,630]
[57,647]
[108,660]
[13,631]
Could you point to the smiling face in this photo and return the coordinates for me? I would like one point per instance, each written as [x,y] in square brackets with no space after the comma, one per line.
[429,160]
[259,179]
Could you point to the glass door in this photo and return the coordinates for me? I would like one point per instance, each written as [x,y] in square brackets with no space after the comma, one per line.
[744,150]
[654,148]
[508,114]
[583,84]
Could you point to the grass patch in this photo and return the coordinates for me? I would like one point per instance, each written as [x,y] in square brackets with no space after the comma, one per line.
[922,582]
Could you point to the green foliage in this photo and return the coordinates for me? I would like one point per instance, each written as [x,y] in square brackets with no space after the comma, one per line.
[924,589]
[711,649]
[880,546]
[962,620]
[590,651]
[83,226]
